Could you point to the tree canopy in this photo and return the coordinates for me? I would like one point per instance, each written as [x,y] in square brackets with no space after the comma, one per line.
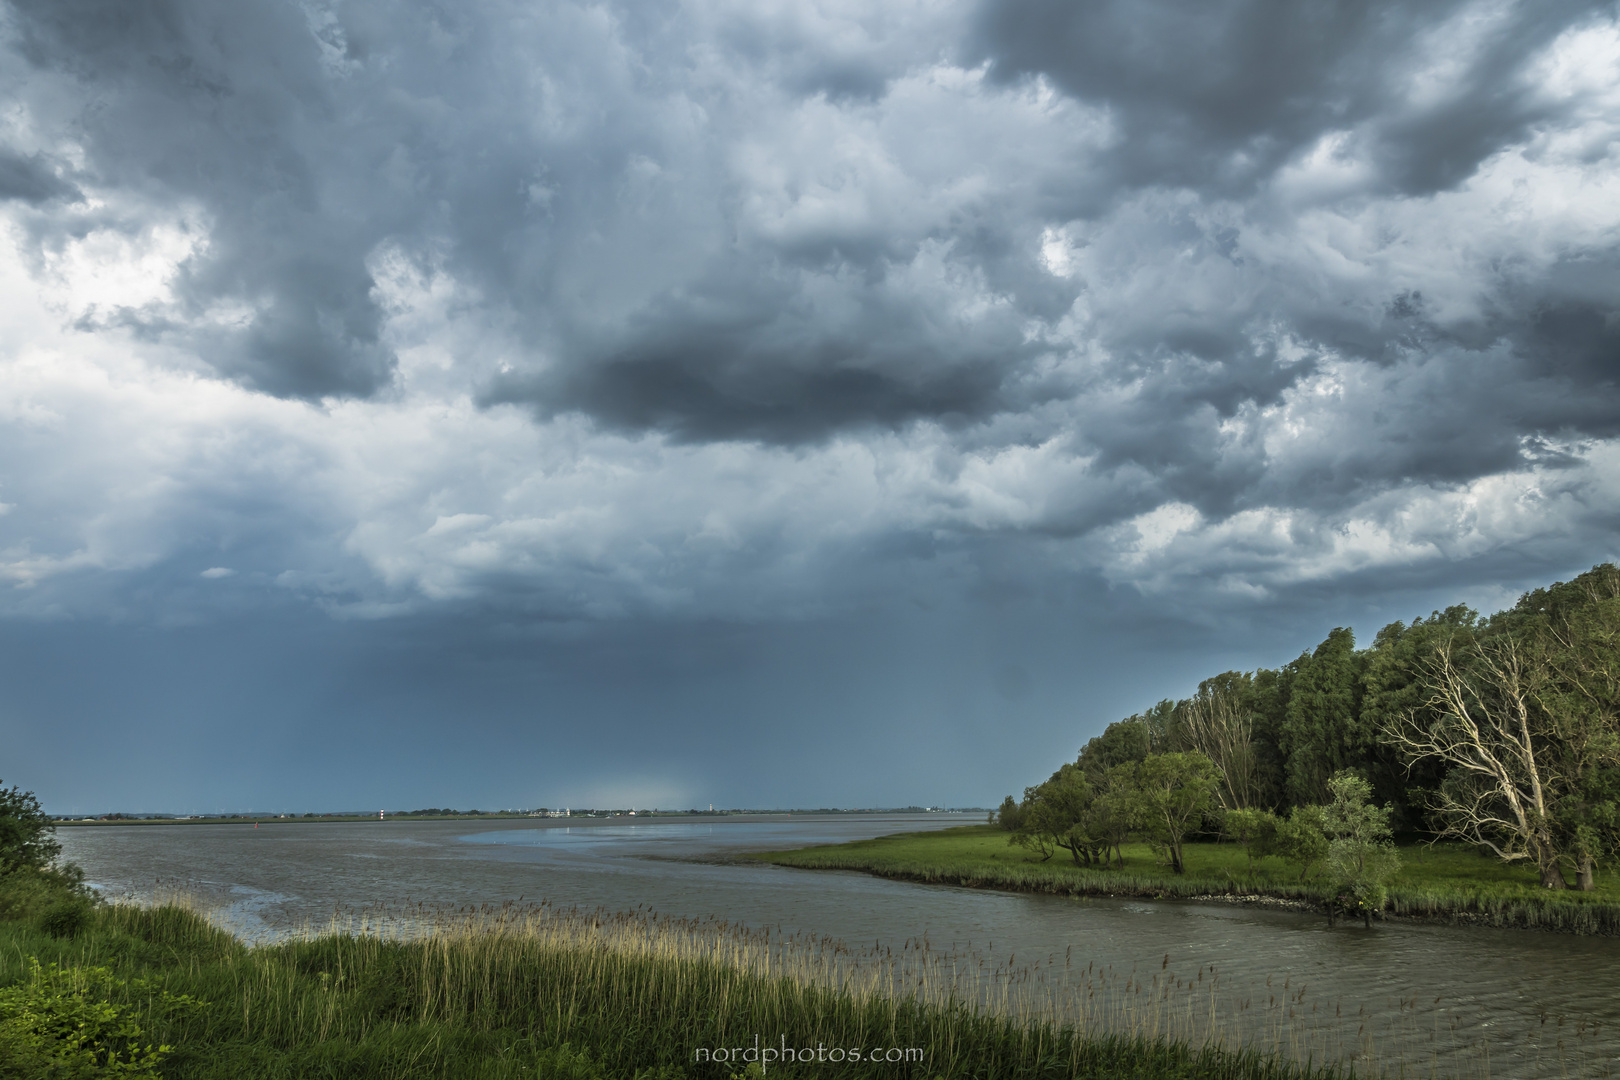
[1504,732]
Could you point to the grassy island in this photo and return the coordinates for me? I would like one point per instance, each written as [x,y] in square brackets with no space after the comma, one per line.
[1445,881]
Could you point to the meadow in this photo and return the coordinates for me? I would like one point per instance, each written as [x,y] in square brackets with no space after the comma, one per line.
[1442,881]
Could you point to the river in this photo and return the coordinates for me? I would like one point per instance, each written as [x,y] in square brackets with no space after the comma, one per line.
[1501,1003]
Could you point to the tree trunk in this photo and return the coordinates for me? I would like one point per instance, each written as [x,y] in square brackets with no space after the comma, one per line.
[1586,874]
[1552,877]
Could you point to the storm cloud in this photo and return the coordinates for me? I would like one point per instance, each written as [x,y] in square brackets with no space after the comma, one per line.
[578,314]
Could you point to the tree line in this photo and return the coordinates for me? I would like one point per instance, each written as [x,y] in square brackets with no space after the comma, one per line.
[1501,732]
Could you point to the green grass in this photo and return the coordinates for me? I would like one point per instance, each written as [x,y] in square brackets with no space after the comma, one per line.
[532,992]
[1444,881]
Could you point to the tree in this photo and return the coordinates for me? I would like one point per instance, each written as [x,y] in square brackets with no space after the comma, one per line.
[1269,693]
[27,836]
[1320,735]
[1173,793]
[1123,741]
[1115,810]
[1057,815]
[1575,628]
[1393,686]
[1217,722]
[1256,830]
[1299,839]
[1484,719]
[1010,816]
[1360,853]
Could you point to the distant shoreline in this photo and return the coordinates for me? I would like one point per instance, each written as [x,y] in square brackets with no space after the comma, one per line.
[580,818]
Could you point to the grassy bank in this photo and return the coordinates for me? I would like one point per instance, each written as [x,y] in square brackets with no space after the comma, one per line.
[1446,881]
[512,992]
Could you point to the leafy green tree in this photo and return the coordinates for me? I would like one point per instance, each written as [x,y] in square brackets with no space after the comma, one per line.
[27,835]
[1269,694]
[1057,815]
[1361,855]
[1115,811]
[1010,816]
[1321,734]
[1123,741]
[1173,793]
[1299,839]
[1256,830]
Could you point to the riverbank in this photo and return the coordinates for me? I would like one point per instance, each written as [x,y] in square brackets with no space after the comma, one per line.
[1447,883]
[518,992]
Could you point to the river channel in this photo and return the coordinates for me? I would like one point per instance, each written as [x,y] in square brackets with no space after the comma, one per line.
[1460,1000]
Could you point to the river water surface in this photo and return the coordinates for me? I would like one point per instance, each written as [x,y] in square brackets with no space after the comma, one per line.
[1501,1003]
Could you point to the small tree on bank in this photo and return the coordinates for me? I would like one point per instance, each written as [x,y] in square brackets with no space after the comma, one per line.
[1174,792]
[27,834]
[1256,830]
[1360,853]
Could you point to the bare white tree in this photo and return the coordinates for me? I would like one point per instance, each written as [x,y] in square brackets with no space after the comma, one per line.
[1214,723]
[1484,720]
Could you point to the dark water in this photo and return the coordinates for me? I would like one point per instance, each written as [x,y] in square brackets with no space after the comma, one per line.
[1487,1002]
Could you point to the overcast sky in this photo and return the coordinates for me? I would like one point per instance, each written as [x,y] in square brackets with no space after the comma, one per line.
[822,402]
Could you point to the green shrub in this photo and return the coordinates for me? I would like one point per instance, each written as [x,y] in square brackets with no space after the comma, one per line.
[63,1022]
[66,917]
[27,893]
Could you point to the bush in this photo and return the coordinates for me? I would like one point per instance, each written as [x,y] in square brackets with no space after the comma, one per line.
[27,834]
[65,917]
[63,1022]
[27,893]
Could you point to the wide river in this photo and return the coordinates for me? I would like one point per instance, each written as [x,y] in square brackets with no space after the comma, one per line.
[1498,1003]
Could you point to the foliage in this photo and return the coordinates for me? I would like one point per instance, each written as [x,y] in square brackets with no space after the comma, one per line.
[525,992]
[27,836]
[63,1022]
[1255,830]
[1128,741]
[1321,734]
[1504,732]
[1009,817]
[65,917]
[1173,793]
[1361,857]
[1300,839]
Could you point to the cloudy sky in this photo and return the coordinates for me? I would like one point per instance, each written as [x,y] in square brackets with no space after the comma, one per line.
[493,403]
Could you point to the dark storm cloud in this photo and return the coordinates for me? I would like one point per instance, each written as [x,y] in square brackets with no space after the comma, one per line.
[31,179]
[1054,266]
[304,144]
[767,360]
[620,250]
[224,108]
[1220,94]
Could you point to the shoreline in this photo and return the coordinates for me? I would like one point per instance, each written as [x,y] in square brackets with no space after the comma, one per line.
[1569,913]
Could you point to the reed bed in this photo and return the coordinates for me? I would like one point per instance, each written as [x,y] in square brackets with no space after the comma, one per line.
[536,990]
[530,990]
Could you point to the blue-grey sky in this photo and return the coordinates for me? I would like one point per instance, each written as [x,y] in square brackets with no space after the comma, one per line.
[772,404]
